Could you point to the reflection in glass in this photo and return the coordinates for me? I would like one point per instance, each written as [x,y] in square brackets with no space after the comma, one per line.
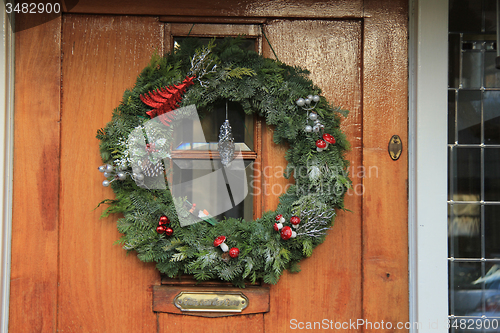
[491,74]
[466,169]
[465,16]
[464,228]
[469,116]
[492,231]
[472,69]
[492,174]
[454,60]
[465,295]
[491,109]
[451,116]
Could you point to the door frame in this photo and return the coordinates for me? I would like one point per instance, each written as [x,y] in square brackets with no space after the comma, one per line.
[427,215]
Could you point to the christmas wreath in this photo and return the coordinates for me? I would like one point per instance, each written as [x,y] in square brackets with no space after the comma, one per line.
[136,148]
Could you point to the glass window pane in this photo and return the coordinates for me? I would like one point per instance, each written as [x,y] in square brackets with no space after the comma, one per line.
[464,230]
[491,73]
[466,168]
[492,174]
[490,18]
[451,116]
[492,231]
[465,294]
[469,116]
[472,69]
[220,192]
[491,107]
[454,52]
[465,16]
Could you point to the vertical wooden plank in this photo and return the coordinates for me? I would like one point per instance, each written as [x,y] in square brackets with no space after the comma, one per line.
[102,289]
[329,285]
[385,203]
[33,289]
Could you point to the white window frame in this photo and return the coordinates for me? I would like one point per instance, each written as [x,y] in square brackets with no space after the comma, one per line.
[428,82]
[6,161]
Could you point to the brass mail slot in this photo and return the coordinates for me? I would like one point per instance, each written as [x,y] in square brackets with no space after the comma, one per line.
[207,301]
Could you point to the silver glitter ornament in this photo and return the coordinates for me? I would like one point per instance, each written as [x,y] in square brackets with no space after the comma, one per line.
[301,102]
[226,142]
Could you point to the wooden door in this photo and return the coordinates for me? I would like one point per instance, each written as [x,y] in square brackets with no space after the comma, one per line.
[71,73]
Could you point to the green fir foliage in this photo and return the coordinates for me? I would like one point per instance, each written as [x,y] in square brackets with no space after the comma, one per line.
[264,87]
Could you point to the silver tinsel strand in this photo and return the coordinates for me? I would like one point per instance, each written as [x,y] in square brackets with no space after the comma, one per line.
[226,143]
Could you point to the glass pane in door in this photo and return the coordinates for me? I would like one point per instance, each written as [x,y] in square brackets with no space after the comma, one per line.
[474,168]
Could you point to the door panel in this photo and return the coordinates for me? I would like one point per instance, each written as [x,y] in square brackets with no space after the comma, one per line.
[35,208]
[329,285]
[70,277]
[101,288]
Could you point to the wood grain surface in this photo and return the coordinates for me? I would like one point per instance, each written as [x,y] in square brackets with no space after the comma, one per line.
[102,289]
[71,73]
[248,8]
[35,227]
[329,285]
[385,202]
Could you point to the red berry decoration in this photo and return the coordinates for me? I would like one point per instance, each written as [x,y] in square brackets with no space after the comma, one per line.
[163,220]
[169,231]
[295,220]
[234,252]
[160,229]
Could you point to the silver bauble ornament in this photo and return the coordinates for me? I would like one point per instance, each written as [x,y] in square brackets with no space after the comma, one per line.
[316,129]
[308,128]
[105,183]
[300,102]
[315,98]
[313,116]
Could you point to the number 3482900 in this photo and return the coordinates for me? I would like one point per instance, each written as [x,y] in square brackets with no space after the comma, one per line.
[33,8]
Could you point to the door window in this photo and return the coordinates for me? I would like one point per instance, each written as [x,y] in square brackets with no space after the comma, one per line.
[474,164]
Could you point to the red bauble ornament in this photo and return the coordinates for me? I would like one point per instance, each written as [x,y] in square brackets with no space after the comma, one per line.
[169,231]
[160,229]
[163,220]
[234,252]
